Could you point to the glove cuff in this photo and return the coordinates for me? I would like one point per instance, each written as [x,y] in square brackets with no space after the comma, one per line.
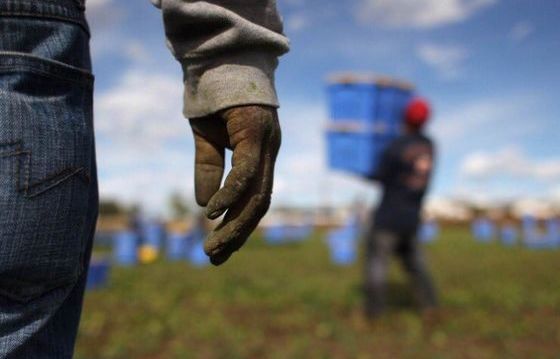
[242,79]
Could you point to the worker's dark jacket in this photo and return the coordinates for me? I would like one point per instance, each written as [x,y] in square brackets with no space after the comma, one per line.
[405,170]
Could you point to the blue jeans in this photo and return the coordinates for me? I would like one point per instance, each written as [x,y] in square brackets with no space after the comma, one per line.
[48,177]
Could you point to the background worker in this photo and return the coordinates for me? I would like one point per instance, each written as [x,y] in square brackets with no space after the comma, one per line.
[404,172]
[228,51]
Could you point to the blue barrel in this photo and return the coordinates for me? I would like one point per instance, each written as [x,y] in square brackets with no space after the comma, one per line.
[301,232]
[343,243]
[98,274]
[176,246]
[508,235]
[126,248]
[532,237]
[279,234]
[153,234]
[553,232]
[537,241]
[343,247]
[195,252]
[428,232]
[275,235]
[483,230]
[530,226]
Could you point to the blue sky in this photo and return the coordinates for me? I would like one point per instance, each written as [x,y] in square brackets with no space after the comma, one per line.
[490,68]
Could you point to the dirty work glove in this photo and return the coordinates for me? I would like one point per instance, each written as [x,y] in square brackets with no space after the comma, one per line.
[253,134]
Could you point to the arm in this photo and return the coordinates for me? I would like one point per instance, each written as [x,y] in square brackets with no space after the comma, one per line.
[229,50]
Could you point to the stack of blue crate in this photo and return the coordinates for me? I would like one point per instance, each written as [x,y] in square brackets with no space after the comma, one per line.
[366,114]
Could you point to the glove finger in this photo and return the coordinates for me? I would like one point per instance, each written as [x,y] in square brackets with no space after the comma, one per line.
[209,169]
[245,166]
[241,220]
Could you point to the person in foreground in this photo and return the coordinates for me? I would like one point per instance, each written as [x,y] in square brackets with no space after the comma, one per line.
[48,181]
[404,172]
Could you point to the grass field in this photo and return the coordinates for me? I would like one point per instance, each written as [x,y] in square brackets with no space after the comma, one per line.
[290,302]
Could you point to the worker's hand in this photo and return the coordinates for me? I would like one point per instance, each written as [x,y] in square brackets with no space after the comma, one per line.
[253,133]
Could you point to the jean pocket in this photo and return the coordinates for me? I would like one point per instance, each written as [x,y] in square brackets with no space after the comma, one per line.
[46,159]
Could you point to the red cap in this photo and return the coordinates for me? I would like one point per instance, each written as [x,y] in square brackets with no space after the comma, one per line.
[417,112]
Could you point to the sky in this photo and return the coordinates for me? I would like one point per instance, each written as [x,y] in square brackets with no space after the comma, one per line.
[489,67]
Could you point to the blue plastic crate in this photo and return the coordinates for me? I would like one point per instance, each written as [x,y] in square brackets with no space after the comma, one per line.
[342,246]
[285,233]
[539,242]
[196,255]
[355,152]
[428,232]
[176,246]
[343,243]
[98,274]
[530,226]
[125,248]
[483,230]
[153,234]
[195,249]
[553,231]
[368,103]
[401,100]
[356,102]
[508,235]
[365,117]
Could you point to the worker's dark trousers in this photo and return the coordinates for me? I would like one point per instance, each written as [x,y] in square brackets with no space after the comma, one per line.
[380,246]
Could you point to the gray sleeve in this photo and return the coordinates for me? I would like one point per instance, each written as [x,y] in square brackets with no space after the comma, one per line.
[228,50]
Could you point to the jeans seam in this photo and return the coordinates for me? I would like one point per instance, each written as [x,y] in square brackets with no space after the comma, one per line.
[49,68]
[72,11]
[52,180]
[54,17]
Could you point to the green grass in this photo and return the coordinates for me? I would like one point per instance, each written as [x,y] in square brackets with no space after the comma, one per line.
[290,302]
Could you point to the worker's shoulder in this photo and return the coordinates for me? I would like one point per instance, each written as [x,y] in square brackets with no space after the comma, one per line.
[414,138]
[404,143]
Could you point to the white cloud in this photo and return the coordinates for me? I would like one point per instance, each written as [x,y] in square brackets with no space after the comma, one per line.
[510,162]
[143,107]
[419,13]
[521,31]
[107,19]
[137,52]
[102,14]
[499,117]
[145,149]
[96,4]
[555,195]
[297,22]
[447,60]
